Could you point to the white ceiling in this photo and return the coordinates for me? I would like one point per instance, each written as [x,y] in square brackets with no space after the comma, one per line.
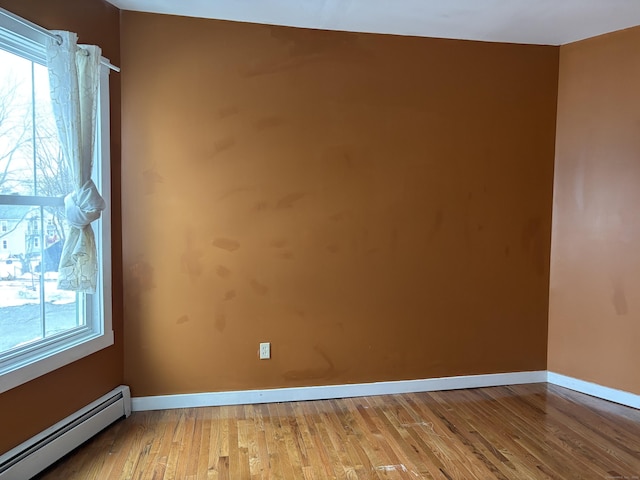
[546,22]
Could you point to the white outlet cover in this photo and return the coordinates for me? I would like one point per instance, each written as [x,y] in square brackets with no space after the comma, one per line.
[265,351]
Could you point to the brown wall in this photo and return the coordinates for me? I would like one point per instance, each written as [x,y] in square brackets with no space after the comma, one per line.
[377,207]
[30,408]
[594,311]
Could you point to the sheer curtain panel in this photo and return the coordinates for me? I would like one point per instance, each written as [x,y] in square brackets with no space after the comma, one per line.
[74,79]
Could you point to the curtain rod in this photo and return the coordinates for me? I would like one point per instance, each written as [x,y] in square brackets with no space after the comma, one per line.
[43,31]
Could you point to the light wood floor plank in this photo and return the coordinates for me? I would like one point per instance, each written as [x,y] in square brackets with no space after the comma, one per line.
[522,432]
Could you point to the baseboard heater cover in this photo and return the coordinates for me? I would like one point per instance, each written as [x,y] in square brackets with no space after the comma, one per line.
[31,457]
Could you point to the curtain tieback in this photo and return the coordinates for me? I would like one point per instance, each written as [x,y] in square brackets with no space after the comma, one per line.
[84,205]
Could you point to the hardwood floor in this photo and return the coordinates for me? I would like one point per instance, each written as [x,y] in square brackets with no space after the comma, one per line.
[534,431]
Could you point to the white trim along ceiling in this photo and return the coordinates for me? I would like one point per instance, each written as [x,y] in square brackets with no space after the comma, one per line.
[541,22]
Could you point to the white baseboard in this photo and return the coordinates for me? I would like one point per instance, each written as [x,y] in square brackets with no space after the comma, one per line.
[595,390]
[244,397]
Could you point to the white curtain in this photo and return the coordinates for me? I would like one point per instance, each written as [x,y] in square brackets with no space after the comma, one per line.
[74,77]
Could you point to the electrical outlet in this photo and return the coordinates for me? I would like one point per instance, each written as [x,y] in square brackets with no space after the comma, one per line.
[265,351]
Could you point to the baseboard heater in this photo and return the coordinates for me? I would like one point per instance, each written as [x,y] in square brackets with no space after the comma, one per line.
[44,449]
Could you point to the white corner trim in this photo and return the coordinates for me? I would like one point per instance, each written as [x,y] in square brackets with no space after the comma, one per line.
[595,390]
[244,397]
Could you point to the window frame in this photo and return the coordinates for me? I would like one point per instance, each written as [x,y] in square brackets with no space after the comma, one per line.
[23,38]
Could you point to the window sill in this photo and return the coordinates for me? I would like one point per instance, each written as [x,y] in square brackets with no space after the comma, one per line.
[51,362]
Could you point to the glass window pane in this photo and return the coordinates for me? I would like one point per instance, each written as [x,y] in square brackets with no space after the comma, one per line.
[31,163]
[62,308]
[53,177]
[16,125]
[20,312]
[31,306]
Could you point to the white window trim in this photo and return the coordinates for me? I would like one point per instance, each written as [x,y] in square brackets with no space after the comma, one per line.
[28,41]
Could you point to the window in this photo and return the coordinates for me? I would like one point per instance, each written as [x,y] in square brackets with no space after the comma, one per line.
[41,327]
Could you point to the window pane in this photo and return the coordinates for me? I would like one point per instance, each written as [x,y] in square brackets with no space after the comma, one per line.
[63,309]
[31,306]
[52,175]
[16,125]
[34,178]
[31,238]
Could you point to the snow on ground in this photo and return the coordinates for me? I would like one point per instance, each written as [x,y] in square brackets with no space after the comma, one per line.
[21,319]
[26,290]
